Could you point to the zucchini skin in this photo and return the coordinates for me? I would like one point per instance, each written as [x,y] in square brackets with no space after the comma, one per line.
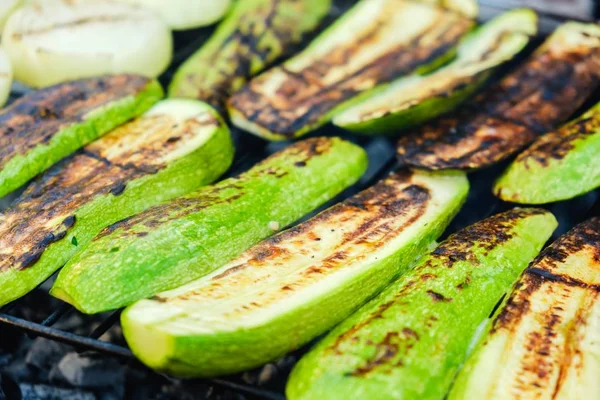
[448,86]
[181,240]
[110,179]
[539,95]
[304,93]
[558,166]
[252,36]
[409,341]
[45,126]
[363,243]
[544,343]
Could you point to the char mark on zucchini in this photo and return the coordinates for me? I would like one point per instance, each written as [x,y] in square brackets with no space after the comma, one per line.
[292,287]
[420,327]
[559,165]
[538,96]
[306,89]
[409,101]
[194,234]
[102,167]
[292,99]
[547,267]
[557,144]
[375,212]
[486,235]
[218,194]
[542,343]
[260,34]
[35,118]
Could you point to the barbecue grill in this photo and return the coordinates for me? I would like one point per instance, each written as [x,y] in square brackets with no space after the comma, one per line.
[23,316]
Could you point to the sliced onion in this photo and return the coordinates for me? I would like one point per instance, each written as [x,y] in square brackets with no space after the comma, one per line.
[186,14]
[6,8]
[6,77]
[52,41]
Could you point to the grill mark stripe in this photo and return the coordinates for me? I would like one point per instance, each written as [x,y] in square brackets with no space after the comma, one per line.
[560,278]
[405,57]
[376,213]
[35,118]
[435,145]
[77,180]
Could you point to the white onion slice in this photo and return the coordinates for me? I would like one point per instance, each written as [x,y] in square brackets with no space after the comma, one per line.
[186,14]
[6,77]
[6,8]
[52,41]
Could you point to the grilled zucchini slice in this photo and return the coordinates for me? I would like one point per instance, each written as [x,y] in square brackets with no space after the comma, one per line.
[294,286]
[558,166]
[544,344]
[253,35]
[409,101]
[538,96]
[374,43]
[43,127]
[179,241]
[408,342]
[172,149]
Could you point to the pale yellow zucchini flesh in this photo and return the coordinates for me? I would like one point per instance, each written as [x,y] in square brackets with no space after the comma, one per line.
[409,101]
[374,43]
[545,342]
[538,96]
[292,287]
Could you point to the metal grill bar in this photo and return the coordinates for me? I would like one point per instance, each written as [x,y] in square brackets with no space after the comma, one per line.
[69,338]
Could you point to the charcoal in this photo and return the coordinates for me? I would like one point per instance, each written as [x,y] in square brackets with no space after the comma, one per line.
[45,392]
[190,390]
[89,371]
[5,359]
[9,388]
[44,354]
[267,373]
[19,370]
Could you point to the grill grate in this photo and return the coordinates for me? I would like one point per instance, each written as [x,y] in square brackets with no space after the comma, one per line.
[481,204]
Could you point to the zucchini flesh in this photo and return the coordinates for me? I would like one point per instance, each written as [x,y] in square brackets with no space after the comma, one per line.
[544,344]
[539,95]
[174,148]
[45,126]
[374,43]
[410,101]
[558,166]
[253,35]
[290,288]
[408,342]
[178,241]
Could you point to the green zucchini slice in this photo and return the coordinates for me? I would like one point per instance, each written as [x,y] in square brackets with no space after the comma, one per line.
[174,148]
[410,101]
[372,44]
[45,126]
[537,97]
[558,166]
[290,288]
[545,342]
[252,36]
[179,241]
[408,342]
